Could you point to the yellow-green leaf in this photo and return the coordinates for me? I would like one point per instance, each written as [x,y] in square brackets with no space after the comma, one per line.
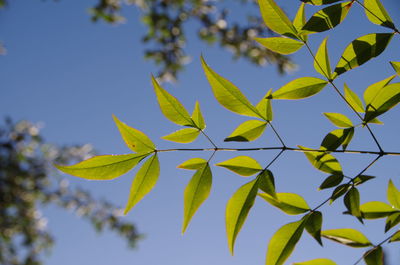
[196,193]
[393,195]
[276,19]
[374,256]
[171,107]
[247,131]
[324,162]
[280,45]
[376,209]
[373,91]
[377,14]
[289,203]
[283,242]
[228,95]
[316,262]
[134,139]
[396,67]
[388,98]
[264,107]
[193,164]
[339,120]
[347,236]
[242,165]
[267,182]
[197,117]
[103,167]
[352,202]
[321,63]
[361,50]
[392,220]
[300,88]
[336,138]
[314,224]
[144,181]
[395,237]
[237,209]
[186,135]
[300,20]
[353,99]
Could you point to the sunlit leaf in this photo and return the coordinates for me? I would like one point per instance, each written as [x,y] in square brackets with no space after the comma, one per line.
[134,139]
[323,161]
[316,262]
[276,19]
[280,45]
[353,99]
[171,107]
[396,67]
[300,88]
[300,20]
[247,131]
[283,242]
[331,181]
[266,182]
[228,95]
[193,164]
[186,135]
[197,117]
[392,220]
[339,191]
[352,202]
[327,18]
[376,209]
[393,195]
[373,91]
[321,61]
[103,167]
[196,192]
[242,165]
[361,179]
[320,2]
[361,50]
[347,236]
[388,98]
[339,120]
[289,203]
[374,256]
[237,209]
[377,14]
[264,107]
[336,138]
[395,237]
[144,181]
[314,224]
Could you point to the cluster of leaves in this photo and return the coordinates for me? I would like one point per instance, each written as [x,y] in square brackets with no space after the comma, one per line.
[27,184]
[378,98]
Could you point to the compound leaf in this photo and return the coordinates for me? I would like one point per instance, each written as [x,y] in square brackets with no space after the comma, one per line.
[247,131]
[186,135]
[242,165]
[347,236]
[300,88]
[280,45]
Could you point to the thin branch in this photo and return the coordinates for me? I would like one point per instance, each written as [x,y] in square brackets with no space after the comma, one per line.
[209,139]
[277,134]
[275,158]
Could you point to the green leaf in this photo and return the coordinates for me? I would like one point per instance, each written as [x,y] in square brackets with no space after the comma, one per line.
[186,135]
[314,224]
[320,2]
[375,121]
[276,19]
[352,202]
[242,165]
[171,107]
[395,237]
[339,120]
[316,262]
[281,45]
[377,14]
[353,99]
[264,107]
[339,191]
[193,164]
[323,161]
[331,181]
[247,131]
[237,209]
[347,236]
[300,20]
[374,256]
[144,181]
[197,117]
[266,182]
[300,88]
[373,91]
[289,203]
[336,138]
[392,221]
[228,95]
[196,193]
[327,18]
[361,179]
[376,209]
[104,167]
[321,62]
[396,67]
[283,242]
[361,50]
[393,195]
[134,139]
[388,98]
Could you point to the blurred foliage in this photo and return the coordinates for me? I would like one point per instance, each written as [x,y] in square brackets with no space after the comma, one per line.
[27,185]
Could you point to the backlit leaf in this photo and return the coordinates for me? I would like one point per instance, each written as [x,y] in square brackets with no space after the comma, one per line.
[339,191]
[289,203]
[361,179]
[300,20]
[144,181]
[103,167]
[353,99]
[331,181]
[197,117]
[376,209]
[377,14]
[337,138]
[196,192]
[339,120]
[352,202]
[186,135]
[373,91]
[247,131]
[283,242]
[264,107]
[171,107]
[393,195]
[237,209]
[347,236]
[266,182]
[193,164]
[320,2]
[396,67]
[392,220]
[388,98]
[324,162]
[280,45]
[321,62]
[314,224]
[316,262]
[300,88]
[361,50]
[228,95]
[242,165]
[395,237]
[374,256]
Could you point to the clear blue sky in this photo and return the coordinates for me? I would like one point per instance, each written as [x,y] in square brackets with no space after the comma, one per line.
[72,75]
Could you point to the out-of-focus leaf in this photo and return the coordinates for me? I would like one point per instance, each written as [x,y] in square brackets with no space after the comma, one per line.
[352,202]
[242,165]
[197,117]
[321,61]
[323,161]
[300,88]
[353,99]
[377,14]
[347,236]
[193,164]
[237,209]
[393,195]
[314,224]
[339,191]
[266,183]
[264,107]
[144,181]
[316,262]
[247,131]
[392,221]
[320,2]
[186,135]
[103,167]
[331,181]
[339,120]
[396,67]
[388,98]
[374,256]
[289,203]
[376,209]
[280,45]
[361,50]
[395,237]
